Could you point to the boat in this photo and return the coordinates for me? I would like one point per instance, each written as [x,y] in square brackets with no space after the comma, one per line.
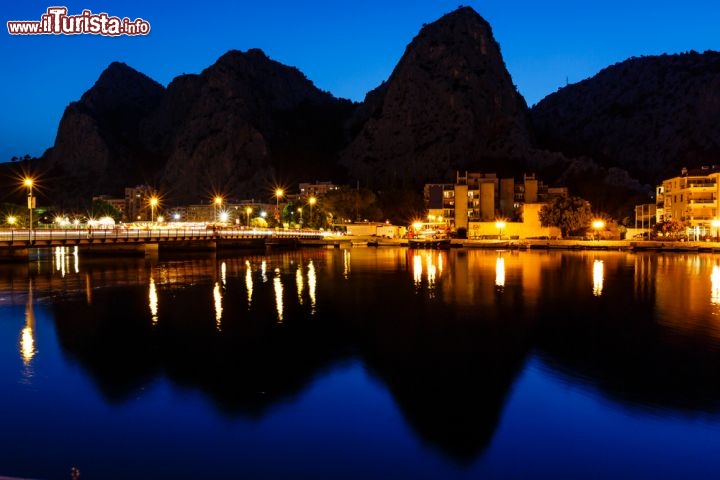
[428,242]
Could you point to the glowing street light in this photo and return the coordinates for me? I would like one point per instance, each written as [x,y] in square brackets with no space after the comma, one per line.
[598,225]
[153,204]
[500,225]
[11,220]
[312,201]
[217,201]
[716,225]
[28,182]
[278,193]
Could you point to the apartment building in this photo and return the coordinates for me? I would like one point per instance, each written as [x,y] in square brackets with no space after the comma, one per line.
[483,197]
[690,198]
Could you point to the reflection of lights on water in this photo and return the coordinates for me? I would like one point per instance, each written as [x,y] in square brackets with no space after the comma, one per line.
[27,345]
[598,274]
[263,271]
[715,285]
[346,263]
[76,257]
[312,282]
[217,297]
[440,264]
[417,269]
[27,335]
[278,294]
[153,297]
[223,273]
[248,282]
[88,289]
[500,272]
[431,269]
[300,283]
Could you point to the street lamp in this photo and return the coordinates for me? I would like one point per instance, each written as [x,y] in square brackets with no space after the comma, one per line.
[278,193]
[218,202]
[598,225]
[300,213]
[500,225]
[28,182]
[153,203]
[311,201]
[248,211]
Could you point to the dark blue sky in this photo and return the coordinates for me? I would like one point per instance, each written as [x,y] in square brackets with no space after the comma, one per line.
[346,48]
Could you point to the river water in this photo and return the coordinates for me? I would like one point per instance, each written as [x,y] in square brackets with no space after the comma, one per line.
[362,363]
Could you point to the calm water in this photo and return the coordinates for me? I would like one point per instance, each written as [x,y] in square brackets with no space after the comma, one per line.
[362,363]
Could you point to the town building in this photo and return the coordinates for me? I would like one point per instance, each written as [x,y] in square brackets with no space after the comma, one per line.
[483,197]
[691,199]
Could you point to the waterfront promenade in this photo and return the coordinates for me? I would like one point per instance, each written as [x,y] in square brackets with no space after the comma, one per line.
[16,245]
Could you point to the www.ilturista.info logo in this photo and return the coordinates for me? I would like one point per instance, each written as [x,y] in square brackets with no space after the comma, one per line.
[57,22]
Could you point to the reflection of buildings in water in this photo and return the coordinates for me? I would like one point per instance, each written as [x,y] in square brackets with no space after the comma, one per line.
[687,292]
[346,263]
[715,285]
[474,276]
[598,277]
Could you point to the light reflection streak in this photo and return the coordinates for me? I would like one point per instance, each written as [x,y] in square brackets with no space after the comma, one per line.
[500,271]
[346,263]
[76,257]
[217,297]
[431,270]
[27,336]
[263,271]
[715,285]
[417,269]
[153,300]
[598,274]
[223,273]
[312,282]
[248,282]
[300,283]
[278,294]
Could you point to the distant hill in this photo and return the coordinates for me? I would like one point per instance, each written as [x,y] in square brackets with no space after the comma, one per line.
[650,116]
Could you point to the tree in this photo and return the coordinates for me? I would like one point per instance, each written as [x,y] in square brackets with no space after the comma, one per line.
[572,215]
[671,228]
[101,208]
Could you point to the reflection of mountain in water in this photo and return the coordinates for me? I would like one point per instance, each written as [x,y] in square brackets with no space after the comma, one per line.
[650,350]
[447,332]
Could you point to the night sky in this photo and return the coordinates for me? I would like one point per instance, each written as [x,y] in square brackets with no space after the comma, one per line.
[346,48]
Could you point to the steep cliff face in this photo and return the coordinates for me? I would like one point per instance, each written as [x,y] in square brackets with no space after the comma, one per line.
[242,121]
[98,146]
[449,104]
[649,115]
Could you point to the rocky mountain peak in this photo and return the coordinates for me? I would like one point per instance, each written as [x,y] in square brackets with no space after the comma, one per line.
[122,87]
[449,104]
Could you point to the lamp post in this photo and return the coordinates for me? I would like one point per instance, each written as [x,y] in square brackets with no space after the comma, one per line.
[218,203]
[248,211]
[153,204]
[278,193]
[311,201]
[598,225]
[30,203]
[500,225]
